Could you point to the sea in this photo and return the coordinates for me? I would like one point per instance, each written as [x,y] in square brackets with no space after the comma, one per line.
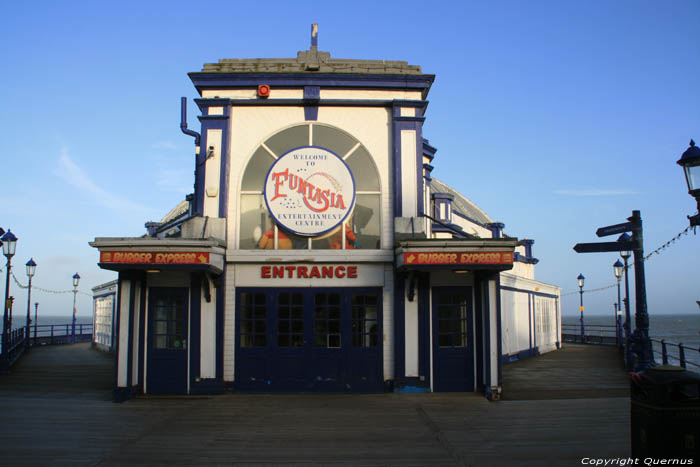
[675,328]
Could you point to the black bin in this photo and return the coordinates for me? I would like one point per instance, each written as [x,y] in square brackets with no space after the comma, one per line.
[666,413]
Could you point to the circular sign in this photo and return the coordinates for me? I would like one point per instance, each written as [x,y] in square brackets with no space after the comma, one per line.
[309,191]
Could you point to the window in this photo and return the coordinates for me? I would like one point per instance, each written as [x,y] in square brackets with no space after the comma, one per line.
[327,320]
[290,319]
[169,323]
[365,330]
[253,320]
[362,227]
[452,319]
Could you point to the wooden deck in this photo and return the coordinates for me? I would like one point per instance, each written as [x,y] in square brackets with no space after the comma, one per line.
[55,409]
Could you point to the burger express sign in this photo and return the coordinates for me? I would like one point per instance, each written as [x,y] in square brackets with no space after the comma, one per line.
[309,191]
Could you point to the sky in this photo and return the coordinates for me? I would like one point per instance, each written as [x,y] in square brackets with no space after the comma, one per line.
[554,117]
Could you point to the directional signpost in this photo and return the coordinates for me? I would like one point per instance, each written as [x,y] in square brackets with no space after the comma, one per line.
[640,337]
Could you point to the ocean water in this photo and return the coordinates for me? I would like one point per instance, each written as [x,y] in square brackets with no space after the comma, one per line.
[676,328]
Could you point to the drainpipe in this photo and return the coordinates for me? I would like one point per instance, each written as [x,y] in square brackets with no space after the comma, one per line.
[183,121]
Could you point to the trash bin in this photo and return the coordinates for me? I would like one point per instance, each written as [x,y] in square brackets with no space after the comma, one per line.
[665,413]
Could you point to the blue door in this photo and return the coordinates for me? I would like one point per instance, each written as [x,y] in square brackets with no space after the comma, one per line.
[167,340]
[453,339]
[308,340]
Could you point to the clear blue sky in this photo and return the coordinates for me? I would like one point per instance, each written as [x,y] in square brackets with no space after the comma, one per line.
[554,117]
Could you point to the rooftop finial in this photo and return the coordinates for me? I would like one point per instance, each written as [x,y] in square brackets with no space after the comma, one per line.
[314,35]
[692,143]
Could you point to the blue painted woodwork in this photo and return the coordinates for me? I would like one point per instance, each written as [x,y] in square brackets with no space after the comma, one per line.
[453,365]
[207,80]
[277,349]
[167,361]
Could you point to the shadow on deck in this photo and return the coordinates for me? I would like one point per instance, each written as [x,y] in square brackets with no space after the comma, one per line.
[55,409]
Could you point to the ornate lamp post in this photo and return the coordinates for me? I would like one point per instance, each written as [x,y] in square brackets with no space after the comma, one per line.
[628,323]
[690,161]
[9,244]
[76,279]
[617,269]
[31,270]
[580,292]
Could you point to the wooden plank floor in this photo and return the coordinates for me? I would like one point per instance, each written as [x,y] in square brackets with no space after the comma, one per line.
[55,409]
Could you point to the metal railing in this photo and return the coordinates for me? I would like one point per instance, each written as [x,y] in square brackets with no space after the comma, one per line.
[43,334]
[594,334]
[680,355]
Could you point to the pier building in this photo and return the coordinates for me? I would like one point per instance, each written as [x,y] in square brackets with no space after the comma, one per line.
[318,252]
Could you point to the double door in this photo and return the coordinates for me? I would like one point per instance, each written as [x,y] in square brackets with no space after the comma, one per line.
[308,340]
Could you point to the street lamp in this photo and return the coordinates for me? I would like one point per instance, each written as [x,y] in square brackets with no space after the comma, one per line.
[628,323]
[76,279]
[690,161]
[617,269]
[580,292]
[9,244]
[31,270]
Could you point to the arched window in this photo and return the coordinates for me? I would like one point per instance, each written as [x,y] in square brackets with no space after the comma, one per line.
[362,226]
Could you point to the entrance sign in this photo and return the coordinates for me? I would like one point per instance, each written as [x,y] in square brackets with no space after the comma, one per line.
[459,258]
[309,191]
[148,257]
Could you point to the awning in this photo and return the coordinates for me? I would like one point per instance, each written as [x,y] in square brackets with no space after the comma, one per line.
[456,254]
[152,254]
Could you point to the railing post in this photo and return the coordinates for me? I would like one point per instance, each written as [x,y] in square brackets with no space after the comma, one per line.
[52,334]
[664,353]
[681,354]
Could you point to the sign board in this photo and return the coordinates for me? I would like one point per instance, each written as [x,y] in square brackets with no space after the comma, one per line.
[616,229]
[309,275]
[309,191]
[458,258]
[151,257]
[603,247]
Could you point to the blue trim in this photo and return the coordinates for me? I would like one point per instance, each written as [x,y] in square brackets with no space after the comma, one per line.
[517,257]
[224,168]
[530,331]
[313,234]
[496,229]
[195,322]
[216,80]
[472,220]
[212,122]
[399,328]
[499,333]
[310,113]
[301,102]
[115,341]
[424,368]
[411,390]
[220,307]
[487,335]
[523,354]
[428,150]
[142,334]
[312,93]
[122,394]
[396,154]
[540,294]
[428,167]
[130,348]
[420,189]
